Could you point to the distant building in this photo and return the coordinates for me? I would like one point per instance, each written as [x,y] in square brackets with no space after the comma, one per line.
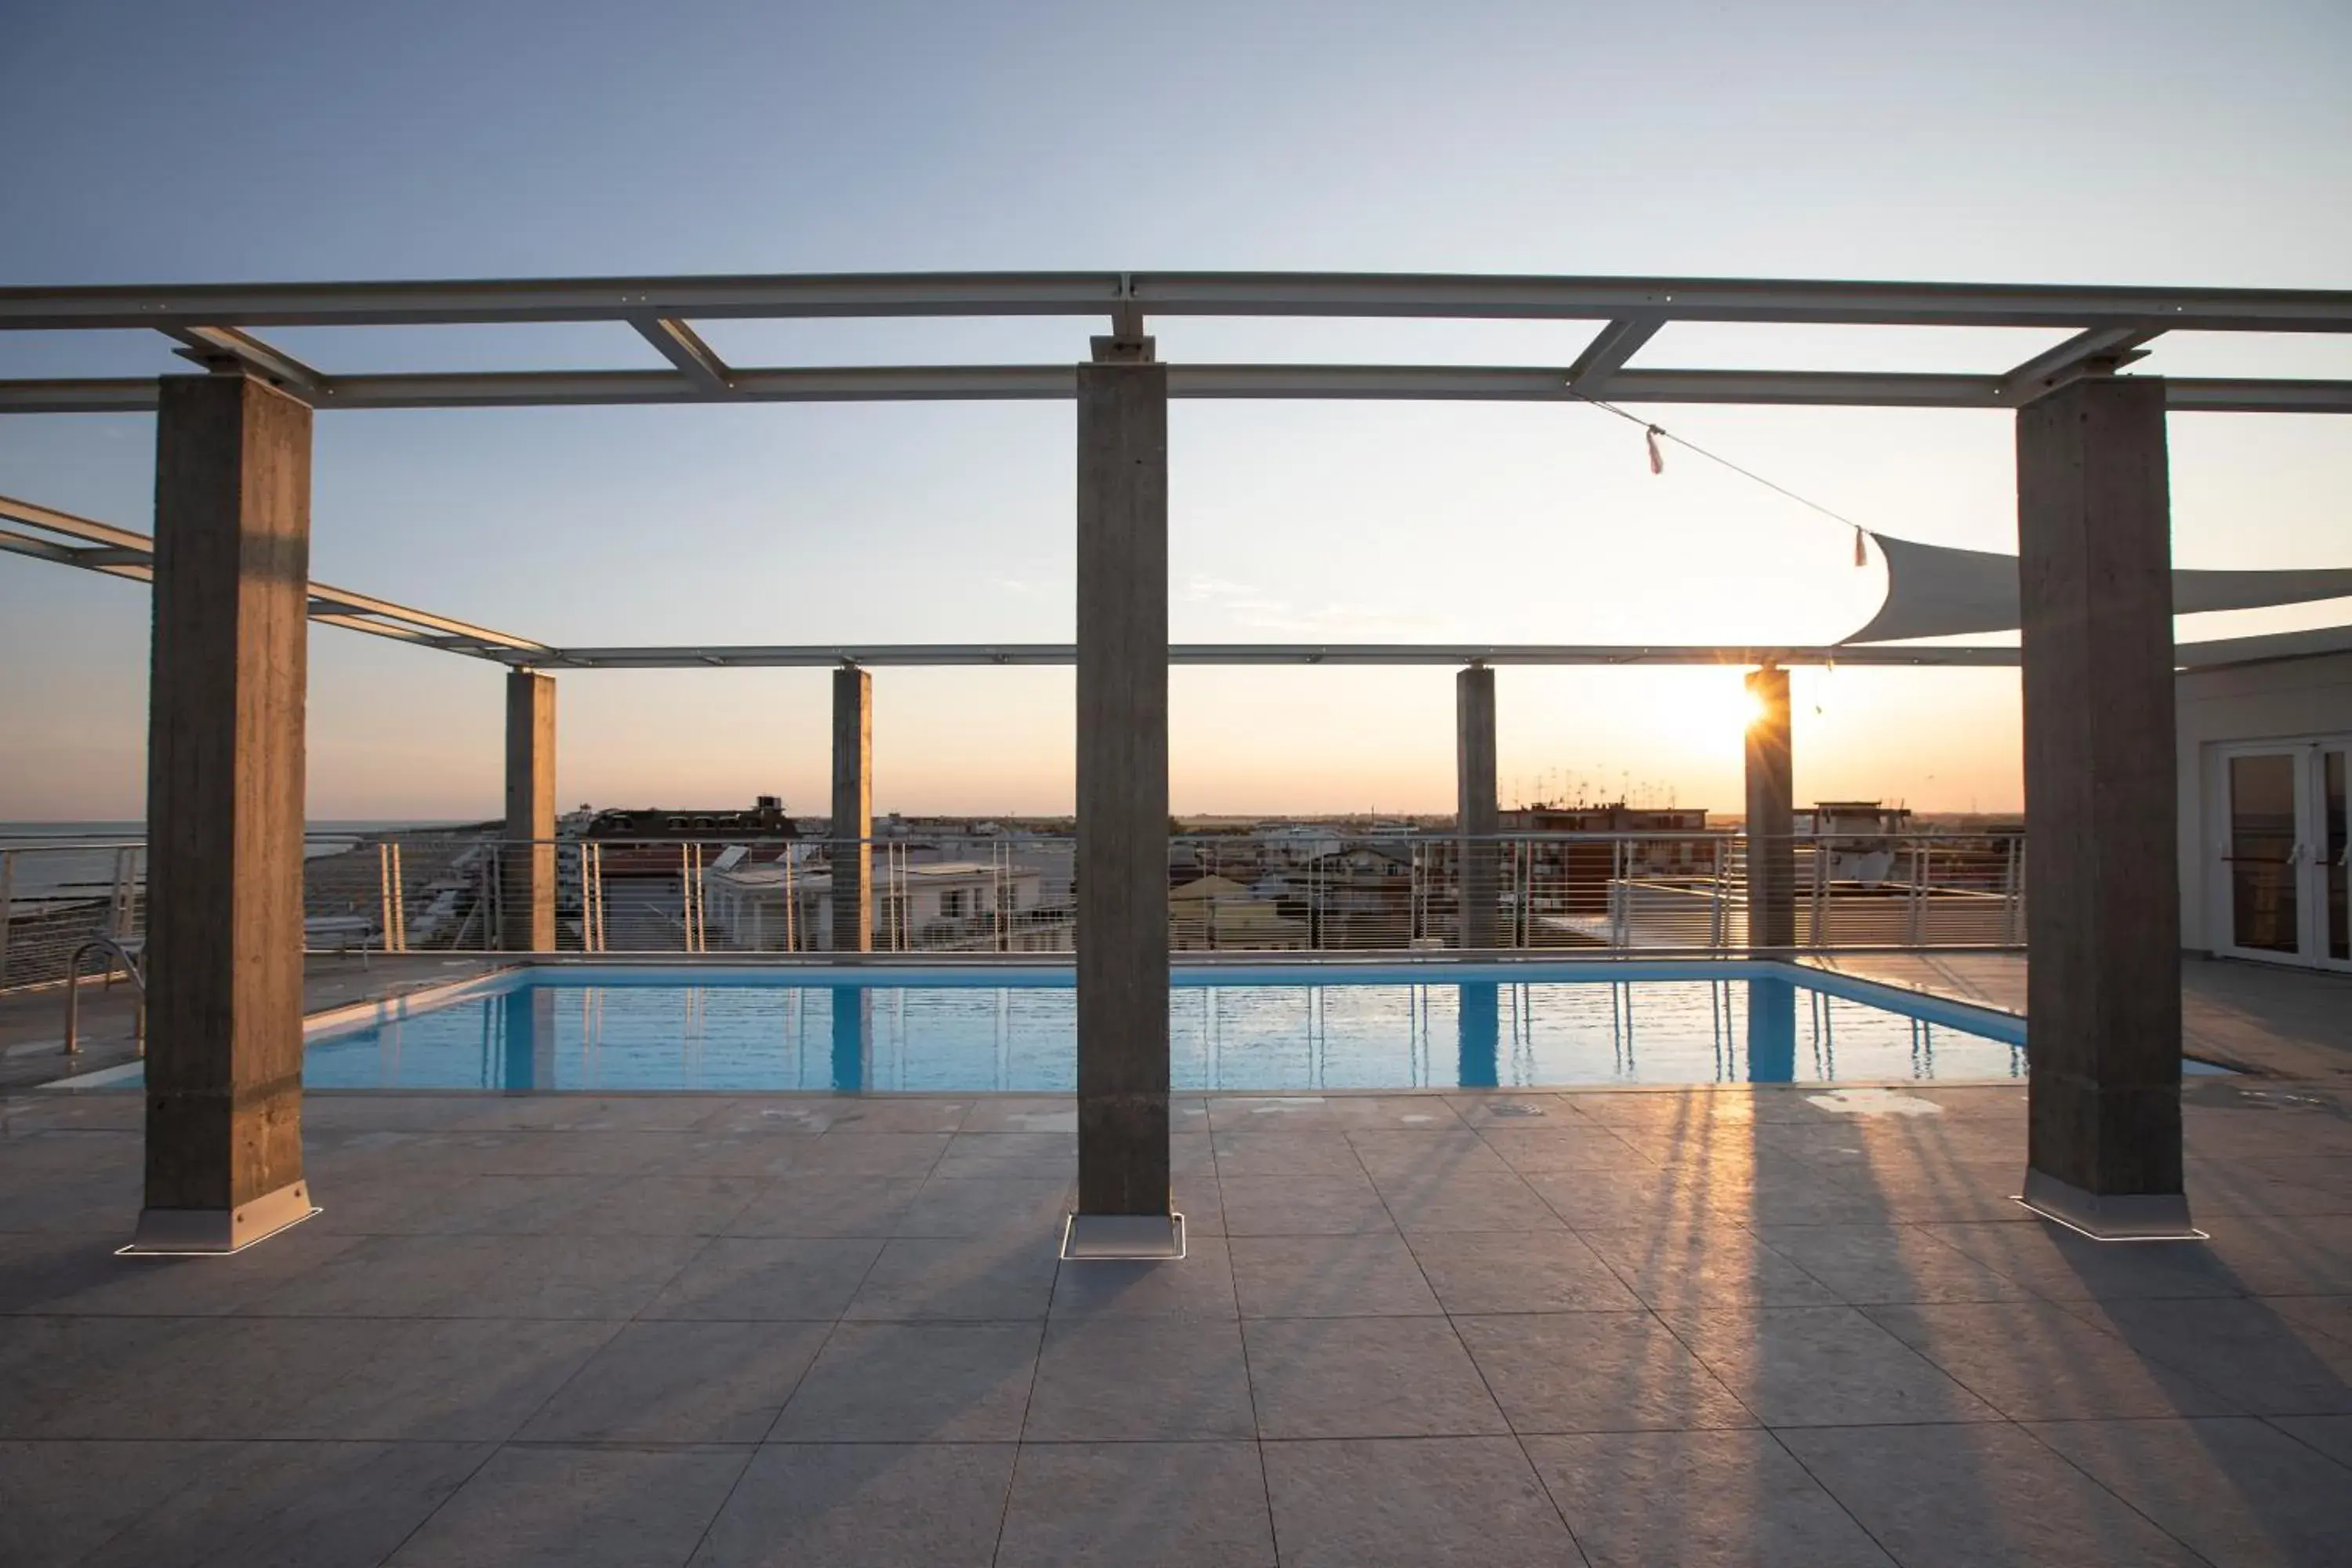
[1362,896]
[641,839]
[1219,913]
[1613,817]
[1860,837]
[1569,879]
[774,905]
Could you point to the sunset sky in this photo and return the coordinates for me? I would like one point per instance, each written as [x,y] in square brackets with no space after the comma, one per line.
[1989,143]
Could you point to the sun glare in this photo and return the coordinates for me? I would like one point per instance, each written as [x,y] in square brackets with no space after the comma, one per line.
[1714,717]
[1735,712]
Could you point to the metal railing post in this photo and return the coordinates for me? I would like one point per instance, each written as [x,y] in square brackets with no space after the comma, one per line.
[1918,893]
[1820,935]
[1620,895]
[792,905]
[2012,890]
[689,884]
[494,922]
[1715,906]
[1523,862]
[7,907]
[118,913]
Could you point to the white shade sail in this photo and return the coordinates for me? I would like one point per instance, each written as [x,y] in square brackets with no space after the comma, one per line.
[1933,590]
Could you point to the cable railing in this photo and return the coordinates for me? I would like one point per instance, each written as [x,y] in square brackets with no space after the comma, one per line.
[1314,890]
[60,895]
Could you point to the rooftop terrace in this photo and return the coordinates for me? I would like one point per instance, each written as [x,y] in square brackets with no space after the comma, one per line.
[1748,1326]
[1732,1325]
[1740,1324]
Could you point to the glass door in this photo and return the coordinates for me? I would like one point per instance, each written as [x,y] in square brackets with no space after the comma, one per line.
[2286,853]
[2261,843]
[2332,869]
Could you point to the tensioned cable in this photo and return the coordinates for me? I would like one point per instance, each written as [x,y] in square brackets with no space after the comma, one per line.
[1657,432]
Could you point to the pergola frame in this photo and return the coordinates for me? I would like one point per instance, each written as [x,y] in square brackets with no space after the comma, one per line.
[123,552]
[231,592]
[2110,327]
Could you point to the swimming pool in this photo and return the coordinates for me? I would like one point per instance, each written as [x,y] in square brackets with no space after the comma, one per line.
[1258,1028]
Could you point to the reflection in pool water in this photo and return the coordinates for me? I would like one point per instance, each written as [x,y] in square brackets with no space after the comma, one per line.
[751,1030]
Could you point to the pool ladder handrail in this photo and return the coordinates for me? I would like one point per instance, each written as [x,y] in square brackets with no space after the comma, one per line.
[127,962]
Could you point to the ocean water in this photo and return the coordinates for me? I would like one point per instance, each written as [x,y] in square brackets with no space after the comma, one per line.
[54,860]
[1433,1026]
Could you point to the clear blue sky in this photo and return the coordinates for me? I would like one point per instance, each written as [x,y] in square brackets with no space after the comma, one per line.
[2095,143]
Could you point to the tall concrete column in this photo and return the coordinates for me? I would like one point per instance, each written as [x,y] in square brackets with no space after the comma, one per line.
[853,809]
[1122,777]
[225,762]
[1478,811]
[527,895]
[2103,922]
[1771,815]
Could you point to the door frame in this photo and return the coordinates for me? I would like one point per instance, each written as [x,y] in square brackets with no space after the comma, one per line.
[2309,872]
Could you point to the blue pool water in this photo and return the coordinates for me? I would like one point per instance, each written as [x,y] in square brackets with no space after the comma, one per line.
[1429,1027]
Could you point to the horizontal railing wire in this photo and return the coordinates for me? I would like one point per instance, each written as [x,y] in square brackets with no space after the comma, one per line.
[1312,889]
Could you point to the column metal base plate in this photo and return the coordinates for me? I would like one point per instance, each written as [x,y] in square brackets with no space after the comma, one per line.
[2134,1217]
[1105,1238]
[217,1233]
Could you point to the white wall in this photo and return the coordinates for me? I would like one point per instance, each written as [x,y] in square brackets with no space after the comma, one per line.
[2286,698]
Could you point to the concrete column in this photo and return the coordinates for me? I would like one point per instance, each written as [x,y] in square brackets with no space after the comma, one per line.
[527,895]
[2103,921]
[224,766]
[853,809]
[1122,777]
[1477,814]
[1771,815]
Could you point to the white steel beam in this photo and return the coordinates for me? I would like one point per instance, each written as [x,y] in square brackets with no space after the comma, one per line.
[2101,350]
[214,346]
[1464,297]
[684,348]
[2187,656]
[121,553]
[935,654]
[1490,384]
[1606,354]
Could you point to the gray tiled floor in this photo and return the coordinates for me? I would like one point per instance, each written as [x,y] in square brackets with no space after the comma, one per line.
[1730,1328]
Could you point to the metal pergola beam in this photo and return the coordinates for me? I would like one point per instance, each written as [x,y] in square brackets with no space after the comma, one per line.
[224,347]
[943,655]
[684,347]
[2107,348]
[490,389]
[1606,354]
[1101,293]
[121,553]
[2108,327]
[2187,656]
